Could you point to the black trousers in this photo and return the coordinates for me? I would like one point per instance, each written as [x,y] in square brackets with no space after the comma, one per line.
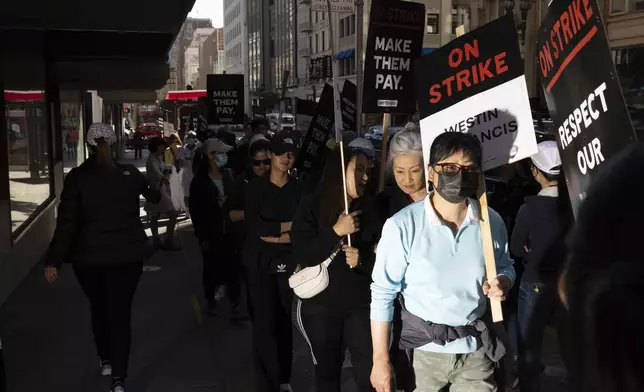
[330,330]
[110,291]
[270,302]
[221,266]
[138,152]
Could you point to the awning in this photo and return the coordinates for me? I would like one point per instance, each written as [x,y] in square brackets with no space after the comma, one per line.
[23,95]
[345,54]
[185,95]
[427,51]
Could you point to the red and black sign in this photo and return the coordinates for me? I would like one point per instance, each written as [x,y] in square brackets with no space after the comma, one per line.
[312,151]
[468,65]
[395,40]
[348,100]
[582,91]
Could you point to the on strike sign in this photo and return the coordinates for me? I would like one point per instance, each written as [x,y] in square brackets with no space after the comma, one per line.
[583,94]
[226,99]
[394,42]
[475,85]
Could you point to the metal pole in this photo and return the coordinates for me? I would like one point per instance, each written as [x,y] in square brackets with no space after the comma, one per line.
[359,77]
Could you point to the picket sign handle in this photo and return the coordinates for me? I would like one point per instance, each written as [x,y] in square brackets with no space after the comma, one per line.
[386,121]
[486,233]
[337,123]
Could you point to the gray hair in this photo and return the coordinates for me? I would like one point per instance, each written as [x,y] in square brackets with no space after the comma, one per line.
[406,142]
[410,126]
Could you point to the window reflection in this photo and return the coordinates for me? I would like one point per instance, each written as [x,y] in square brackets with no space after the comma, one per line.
[73,145]
[28,153]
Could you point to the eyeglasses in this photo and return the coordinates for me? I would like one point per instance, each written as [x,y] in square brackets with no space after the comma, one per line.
[452,169]
[257,162]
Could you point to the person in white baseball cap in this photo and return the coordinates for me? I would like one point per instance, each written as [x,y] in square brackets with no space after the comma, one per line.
[538,242]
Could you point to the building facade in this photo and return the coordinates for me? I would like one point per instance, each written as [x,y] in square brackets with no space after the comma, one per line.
[211,57]
[236,42]
[181,42]
[260,77]
[192,55]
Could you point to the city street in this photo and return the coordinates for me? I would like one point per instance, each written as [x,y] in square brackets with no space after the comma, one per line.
[47,341]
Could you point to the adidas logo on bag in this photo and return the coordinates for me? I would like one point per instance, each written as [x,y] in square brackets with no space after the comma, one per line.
[281,268]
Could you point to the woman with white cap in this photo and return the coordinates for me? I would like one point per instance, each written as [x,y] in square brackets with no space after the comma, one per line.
[98,231]
[209,190]
[538,239]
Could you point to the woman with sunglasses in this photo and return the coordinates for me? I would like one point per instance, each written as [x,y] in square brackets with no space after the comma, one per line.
[431,253]
[270,202]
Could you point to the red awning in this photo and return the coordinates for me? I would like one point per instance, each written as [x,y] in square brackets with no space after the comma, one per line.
[24,95]
[185,95]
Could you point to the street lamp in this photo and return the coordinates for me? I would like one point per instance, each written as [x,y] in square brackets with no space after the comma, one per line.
[508,5]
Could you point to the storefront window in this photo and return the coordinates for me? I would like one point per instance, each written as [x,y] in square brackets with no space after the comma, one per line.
[28,153]
[630,68]
[72,134]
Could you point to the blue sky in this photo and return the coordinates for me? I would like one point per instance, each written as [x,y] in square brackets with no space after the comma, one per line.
[212,9]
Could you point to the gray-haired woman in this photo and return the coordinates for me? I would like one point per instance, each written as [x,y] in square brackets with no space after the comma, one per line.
[405,163]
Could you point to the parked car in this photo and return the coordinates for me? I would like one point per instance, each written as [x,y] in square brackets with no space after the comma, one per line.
[374,134]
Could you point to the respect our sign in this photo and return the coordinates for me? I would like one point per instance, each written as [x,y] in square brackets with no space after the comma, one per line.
[477,86]
[394,42]
[583,95]
[226,99]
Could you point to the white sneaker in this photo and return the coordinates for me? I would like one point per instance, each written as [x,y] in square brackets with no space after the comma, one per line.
[106,369]
[286,388]
[118,387]
[221,293]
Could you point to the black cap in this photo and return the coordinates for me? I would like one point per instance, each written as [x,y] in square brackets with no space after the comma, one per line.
[282,142]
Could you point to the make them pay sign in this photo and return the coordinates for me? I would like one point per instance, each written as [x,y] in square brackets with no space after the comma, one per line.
[225,101]
[391,63]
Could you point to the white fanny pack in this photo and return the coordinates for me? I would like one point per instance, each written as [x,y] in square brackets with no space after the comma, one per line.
[311,281]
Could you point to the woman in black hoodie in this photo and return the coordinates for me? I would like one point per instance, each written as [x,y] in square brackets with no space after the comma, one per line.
[338,317]
[538,239]
[99,231]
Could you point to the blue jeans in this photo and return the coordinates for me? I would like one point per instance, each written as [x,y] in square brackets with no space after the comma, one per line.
[538,307]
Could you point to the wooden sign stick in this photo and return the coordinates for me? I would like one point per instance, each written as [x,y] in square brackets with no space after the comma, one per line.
[386,121]
[486,233]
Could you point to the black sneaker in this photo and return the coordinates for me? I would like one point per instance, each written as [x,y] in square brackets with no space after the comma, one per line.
[238,316]
[212,308]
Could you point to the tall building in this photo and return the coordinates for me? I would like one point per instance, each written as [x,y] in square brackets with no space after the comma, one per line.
[211,57]
[314,44]
[260,77]
[191,55]
[182,41]
[283,43]
[236,42]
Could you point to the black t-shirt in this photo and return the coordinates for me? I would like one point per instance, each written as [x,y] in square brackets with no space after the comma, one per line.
[266,206]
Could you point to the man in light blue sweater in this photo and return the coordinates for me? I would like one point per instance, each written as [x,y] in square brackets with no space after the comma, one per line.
[431,252]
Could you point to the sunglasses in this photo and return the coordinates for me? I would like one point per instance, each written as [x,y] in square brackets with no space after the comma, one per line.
[257,162]
[452,169]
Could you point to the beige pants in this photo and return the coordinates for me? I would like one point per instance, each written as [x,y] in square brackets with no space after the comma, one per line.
[463,372]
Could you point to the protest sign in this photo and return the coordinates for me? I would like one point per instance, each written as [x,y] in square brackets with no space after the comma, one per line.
[348,101]
[226,99]
[582,91]
[319,131]
[395,40]
[304,112]
[476,86]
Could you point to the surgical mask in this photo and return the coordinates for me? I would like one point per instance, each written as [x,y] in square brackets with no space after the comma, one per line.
[222,160]
[458,187]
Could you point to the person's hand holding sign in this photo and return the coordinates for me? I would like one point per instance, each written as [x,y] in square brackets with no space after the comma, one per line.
[497,288]
[353,255]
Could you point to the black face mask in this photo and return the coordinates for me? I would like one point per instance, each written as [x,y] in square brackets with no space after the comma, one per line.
[457,188]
